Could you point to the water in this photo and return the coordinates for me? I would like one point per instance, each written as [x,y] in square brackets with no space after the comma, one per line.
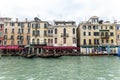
[63,68]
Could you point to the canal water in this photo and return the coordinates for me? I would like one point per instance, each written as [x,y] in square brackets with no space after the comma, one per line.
[63,68]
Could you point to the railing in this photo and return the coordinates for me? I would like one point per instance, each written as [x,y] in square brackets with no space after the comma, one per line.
[65,35]
[105,37]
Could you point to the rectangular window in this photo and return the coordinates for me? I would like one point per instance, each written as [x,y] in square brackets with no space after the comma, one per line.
[29,30]
[5,42]
[45,33]
[112,41]
[102,40]
[28,37]
[90,42]
[18,24]
[55,40]
[89,34]
[95,41]
[96,33]
[45,25]
[102,33]
[64,40]
[51,41]
[111,27]
[84,33]
[33,32]
[48,41]
[12,24]
[111,34]
[74,40]
[84,42]
[107,41]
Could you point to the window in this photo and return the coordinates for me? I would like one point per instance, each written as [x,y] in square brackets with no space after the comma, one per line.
[105,27]
[12,24]
[90,42]
[101,27]
[48,41]
[96,33]
[45,25]
[84,27]
[74,40]
[18,24]
[89,27]
[64,40]
[18,42]
[51,40]
[29,25]
[89,34]
[28,42]
[55,31]
[111,34]
[45,33]
[12,30]
[22,25]
[111,40]
[6,30]
[12,37]
[48,31]
[18,30]
[55,40]
[51,31]
[38,33]
[22,31]
[33,32]
[64,30]
[44,41]
[106,33]
[102,41]
[29,30]
[37,41]
[73,30]
[84,33]
[94,27]
[107,41]
[97,41]
[12,42]
[84,42]
[28,37]
[5,42]
[33,25]
[111,27]
[33,41]
[102,33]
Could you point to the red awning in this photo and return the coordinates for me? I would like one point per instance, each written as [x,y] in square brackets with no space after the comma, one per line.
[61,48]
[2,47]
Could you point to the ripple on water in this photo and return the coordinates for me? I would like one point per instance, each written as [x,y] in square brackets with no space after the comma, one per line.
[101,78]
[1,78]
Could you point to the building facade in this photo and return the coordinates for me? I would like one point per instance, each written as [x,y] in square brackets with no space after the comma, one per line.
[95,35]
[17,32]
[65,33]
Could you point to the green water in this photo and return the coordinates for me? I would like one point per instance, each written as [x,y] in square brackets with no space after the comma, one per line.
[63,68]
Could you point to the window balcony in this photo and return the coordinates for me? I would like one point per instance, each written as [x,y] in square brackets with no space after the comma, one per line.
[105,37]
[65,35]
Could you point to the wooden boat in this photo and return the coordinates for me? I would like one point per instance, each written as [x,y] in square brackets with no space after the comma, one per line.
[49,55]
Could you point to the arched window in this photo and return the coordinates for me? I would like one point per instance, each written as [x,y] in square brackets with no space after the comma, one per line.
[55,31]
[33,41]
[64,30]
[37,41]
[73,30]
[12,30]
[6,30]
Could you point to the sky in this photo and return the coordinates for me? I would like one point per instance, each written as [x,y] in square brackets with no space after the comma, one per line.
[49,10]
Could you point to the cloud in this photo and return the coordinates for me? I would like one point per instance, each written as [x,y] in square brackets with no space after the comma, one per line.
[61,9]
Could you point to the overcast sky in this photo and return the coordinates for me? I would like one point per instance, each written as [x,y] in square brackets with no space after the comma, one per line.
[78,10]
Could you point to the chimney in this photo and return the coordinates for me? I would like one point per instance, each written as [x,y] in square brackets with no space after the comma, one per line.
[16,19]
[25,19]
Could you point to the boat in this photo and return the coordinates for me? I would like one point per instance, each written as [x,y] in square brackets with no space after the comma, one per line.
[49,55]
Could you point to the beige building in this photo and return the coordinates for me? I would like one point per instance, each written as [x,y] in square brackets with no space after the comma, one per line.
[65,33]
[41,33]
[17,32]
[95,35]
[118,33]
